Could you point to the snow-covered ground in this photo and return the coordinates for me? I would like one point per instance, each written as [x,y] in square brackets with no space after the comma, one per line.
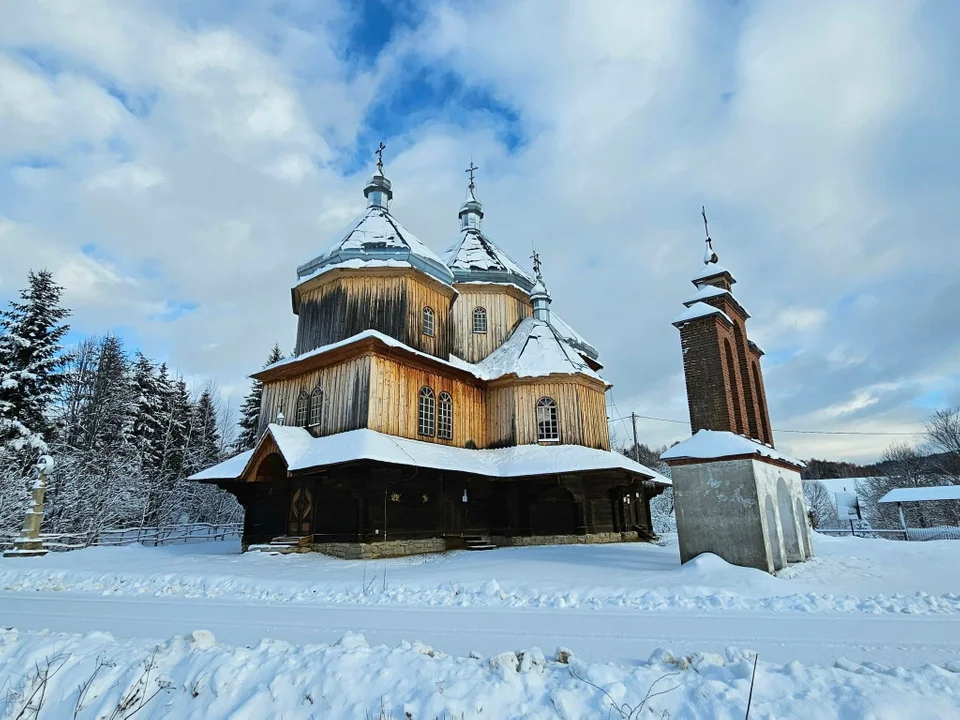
[848,575]
[195,677]
[868,629]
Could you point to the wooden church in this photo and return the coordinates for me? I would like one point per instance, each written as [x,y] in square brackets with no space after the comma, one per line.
[431,404]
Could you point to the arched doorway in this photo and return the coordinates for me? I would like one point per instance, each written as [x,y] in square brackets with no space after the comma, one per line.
[554,512]
[773,534]
[804,530]
[788,523]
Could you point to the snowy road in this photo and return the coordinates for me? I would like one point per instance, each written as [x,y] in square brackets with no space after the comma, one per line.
[595,635]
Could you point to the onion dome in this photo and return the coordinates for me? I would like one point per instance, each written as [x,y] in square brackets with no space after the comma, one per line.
[377,239]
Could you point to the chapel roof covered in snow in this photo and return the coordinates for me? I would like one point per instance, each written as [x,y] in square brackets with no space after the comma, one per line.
[302,451]
[535,349]
[376,239]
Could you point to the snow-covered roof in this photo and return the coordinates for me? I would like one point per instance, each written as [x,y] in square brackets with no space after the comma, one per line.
[710,270]
[475,257]
[922,494]
[535,349]
[377,236]
[716,444]
[573,337]
[705,292]
[227,469]
[455,362]
[699,310]
[302,451]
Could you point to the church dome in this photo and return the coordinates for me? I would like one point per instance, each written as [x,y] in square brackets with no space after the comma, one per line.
[475,257]
[376,239]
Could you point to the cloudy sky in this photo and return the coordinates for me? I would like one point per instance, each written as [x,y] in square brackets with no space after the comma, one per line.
[172,163]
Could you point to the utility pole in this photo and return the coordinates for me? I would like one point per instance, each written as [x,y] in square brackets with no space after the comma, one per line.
[636,447]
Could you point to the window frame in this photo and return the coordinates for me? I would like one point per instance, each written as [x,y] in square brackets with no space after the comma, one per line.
[428,317]
[548,429]
[426,412]
[445,416]
[302,414]
[316,407]
[480,324]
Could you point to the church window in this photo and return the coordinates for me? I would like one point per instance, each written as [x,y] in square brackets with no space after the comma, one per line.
[548,421]
[428,321]
[316,406]
[303,408]
[480,320]
[427,412]
[445,416]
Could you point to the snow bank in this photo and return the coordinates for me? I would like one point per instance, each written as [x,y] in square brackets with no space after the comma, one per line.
[851,576]
[195,677]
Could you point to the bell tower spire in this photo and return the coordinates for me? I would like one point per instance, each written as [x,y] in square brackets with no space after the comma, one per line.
[725,388]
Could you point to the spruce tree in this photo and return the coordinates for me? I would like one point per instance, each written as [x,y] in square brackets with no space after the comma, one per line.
[205,440]
[250,409]
[148,425]
[31,363]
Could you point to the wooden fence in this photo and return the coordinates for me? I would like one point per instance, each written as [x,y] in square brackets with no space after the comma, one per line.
[947,532]
[161,535]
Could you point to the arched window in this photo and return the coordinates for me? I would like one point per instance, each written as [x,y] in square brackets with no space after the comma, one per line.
[316,406]
[479,320]
[445,416]
[734,388]
[548,422]
[428,321]
[427,414]
[303,408]
[762,405]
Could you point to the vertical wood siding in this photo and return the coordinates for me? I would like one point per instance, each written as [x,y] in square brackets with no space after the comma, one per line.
[346,396]
[390,303]
[504,312]
[512,413]
[394,393]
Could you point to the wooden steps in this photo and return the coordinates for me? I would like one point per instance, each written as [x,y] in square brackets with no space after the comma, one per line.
[477,542]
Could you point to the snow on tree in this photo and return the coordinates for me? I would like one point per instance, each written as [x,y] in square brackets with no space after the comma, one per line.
[250,409]
[31,364]
[822,511]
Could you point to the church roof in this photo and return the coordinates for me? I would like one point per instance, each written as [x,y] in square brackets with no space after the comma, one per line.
[710,270]
[719,444]
[476,258]
[535,349]
[699,310]
[376,236]
[302,451]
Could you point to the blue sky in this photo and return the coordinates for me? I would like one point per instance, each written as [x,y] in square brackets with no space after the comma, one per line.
[172,163]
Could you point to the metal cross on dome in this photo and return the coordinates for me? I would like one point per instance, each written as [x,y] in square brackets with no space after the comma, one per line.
[703,211]
[536,265]
[379,154]
[471,170]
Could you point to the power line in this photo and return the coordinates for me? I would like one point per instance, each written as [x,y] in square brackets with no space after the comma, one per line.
[796,432]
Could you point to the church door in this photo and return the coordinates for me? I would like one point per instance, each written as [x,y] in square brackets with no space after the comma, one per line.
[301,508]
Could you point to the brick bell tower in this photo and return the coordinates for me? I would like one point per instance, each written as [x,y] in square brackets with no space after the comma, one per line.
[721,365]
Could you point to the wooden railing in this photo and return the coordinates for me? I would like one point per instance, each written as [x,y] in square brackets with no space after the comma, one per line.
[944,532]
[160,535]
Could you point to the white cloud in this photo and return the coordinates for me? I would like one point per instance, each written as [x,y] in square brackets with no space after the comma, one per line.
[228,177]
